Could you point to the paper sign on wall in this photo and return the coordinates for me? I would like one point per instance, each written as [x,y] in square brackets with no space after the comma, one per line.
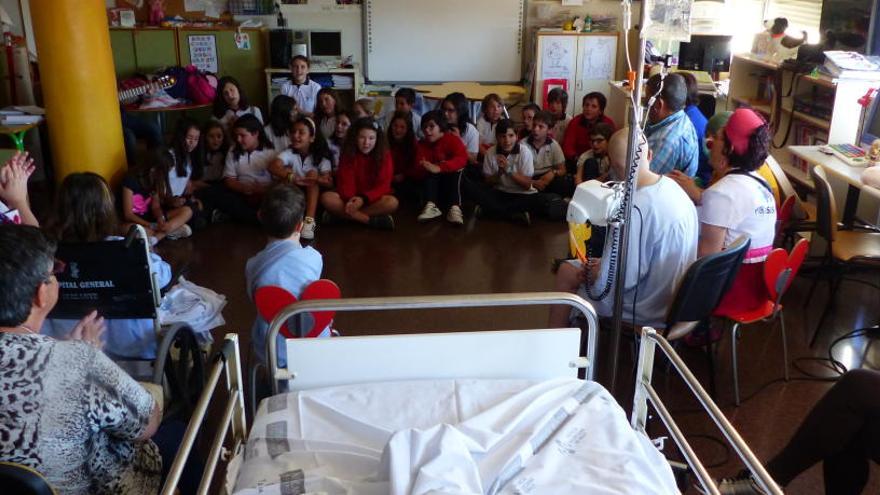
[557,57]
[203,52]
[242,41]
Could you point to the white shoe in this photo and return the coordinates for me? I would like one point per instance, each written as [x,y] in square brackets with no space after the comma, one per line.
[430,212]
[181,232]
[308,230]
[454,215]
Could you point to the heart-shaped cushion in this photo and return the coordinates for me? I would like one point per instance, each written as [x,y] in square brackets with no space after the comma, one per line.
[270,300]
[779,260]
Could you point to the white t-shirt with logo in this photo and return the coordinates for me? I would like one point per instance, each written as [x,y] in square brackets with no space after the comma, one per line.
[740,204]
[517,163]
[301,166]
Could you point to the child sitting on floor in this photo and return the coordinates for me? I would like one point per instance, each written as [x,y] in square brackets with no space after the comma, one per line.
[557,102]
[594,163]
[143,191]
[491,112]
[549,173]
[363,180]
[404,101]
[507,169]
[282,115]
[325,111]
[528,115]
[306,163]
[284,262]
[230,103]
[300,87]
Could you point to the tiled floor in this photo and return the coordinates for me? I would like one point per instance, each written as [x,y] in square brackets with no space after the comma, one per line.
[492,257]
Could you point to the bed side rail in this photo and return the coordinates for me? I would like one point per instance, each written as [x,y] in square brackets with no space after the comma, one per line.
[227,360]
[433,302]
[645,392]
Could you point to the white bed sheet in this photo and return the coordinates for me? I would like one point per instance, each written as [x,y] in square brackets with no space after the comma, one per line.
[449,436]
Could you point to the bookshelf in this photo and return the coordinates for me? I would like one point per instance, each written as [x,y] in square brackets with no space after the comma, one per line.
[814,109]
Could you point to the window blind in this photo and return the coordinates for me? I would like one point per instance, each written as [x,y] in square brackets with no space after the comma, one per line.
[802,15]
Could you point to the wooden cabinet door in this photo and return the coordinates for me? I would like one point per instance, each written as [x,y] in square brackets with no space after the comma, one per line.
[154,49]
[556,66]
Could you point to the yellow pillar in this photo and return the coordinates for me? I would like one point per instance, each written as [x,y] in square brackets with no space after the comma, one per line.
[79,86]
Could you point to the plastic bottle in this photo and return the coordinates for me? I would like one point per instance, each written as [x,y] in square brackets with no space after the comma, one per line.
[588,24]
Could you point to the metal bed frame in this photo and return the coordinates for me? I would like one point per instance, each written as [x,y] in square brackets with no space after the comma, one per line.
[233,419]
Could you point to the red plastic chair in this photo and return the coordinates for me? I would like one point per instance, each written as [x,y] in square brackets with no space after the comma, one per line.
[780,268]
[270,300]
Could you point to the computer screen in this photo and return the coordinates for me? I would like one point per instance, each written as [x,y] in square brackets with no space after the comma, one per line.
[325,44]
[706,53]
[871,127]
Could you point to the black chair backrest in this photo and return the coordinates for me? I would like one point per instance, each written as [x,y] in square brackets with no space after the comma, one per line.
[705,283]
[19,479]
[826,209]
[113,277]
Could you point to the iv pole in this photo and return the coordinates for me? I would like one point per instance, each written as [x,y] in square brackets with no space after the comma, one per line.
[630,178]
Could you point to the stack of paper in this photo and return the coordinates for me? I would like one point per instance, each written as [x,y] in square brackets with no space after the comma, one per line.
[342,81]
[852,65]
[21,115]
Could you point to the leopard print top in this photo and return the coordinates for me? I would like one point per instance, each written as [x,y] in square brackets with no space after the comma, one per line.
[69,412]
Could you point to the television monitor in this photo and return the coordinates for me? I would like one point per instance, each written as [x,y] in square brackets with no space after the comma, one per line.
[707,53]
[871,127]
[325,45]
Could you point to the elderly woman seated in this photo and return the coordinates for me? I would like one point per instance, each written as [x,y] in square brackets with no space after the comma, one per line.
[66,410]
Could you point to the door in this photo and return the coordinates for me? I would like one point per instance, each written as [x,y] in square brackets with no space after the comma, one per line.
[596,65]
[557,56]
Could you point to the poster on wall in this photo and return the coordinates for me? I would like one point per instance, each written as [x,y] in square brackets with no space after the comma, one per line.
[203,52]
[557,57]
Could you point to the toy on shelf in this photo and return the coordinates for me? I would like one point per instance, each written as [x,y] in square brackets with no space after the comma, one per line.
[874,152]
[157,12]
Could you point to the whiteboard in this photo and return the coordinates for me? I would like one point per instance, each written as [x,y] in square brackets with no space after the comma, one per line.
[446,40]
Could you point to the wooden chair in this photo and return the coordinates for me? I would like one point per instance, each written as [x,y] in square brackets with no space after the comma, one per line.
[846,249]
[780,268]
[795,215]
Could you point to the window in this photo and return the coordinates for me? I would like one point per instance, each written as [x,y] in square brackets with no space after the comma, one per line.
[802,15]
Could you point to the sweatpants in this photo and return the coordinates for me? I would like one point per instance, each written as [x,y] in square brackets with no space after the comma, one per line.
[443,189]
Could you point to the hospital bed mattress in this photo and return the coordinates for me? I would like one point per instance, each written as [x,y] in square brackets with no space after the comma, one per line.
[448,436]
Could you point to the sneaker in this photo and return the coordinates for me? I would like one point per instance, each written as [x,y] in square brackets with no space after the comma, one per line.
[430,212]
[181,232]
[382,222]
[454,215]
[741,484]
[218,216]
[522,218]
[308,230]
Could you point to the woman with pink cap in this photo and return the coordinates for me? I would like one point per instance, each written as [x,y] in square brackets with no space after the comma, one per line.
[740,203]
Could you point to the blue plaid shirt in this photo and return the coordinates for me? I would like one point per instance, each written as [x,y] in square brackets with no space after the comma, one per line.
[674,143]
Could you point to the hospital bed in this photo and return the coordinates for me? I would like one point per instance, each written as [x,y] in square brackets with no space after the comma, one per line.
[468,412]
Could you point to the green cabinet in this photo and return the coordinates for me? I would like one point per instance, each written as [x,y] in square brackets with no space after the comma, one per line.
[143,50]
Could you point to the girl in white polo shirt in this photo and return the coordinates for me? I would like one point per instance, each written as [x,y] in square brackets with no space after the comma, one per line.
[307,164]
[246,176]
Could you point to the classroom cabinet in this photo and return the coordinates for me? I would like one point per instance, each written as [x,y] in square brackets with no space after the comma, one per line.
[577,62]
[140,51]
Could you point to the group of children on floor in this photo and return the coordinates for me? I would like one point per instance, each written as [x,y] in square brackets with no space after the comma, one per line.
[355,164]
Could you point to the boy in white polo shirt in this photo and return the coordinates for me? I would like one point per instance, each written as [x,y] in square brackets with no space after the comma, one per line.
[508,167]
[549,175]
[300,87]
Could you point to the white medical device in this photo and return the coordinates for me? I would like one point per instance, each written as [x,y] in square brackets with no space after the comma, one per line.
[595,202]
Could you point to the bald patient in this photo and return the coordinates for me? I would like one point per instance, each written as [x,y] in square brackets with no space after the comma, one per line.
[662,244]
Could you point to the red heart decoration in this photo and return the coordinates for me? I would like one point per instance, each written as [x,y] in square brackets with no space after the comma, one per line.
[270,300]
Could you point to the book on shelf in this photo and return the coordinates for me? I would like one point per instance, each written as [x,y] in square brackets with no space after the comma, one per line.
[851,65]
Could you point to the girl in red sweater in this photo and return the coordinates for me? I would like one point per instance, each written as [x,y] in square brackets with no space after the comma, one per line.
[402,144]
[363,180]
[577,134]
[440,158]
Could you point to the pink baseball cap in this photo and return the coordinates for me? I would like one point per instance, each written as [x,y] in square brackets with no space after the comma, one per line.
[740,127]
